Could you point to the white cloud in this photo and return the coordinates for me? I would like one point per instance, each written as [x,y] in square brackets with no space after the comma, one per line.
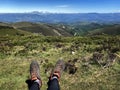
[118,10]
[62,6]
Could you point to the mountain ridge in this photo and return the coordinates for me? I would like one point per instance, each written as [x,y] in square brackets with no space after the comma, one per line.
[47,17]
[61,29]
[41,28]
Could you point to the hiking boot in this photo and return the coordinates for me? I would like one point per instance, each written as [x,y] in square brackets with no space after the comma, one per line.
[58,69]
[35,72]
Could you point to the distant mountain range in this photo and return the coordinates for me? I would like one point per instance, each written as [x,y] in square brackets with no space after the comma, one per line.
[60,17]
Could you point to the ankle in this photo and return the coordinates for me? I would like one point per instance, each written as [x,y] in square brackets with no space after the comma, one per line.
[55,76]
[39,82]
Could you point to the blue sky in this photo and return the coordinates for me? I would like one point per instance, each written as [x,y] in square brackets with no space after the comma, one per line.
[66,6]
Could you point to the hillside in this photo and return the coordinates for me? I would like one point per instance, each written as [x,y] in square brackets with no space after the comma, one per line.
[109,30]
[82,28]
[8,30]
[60,29]
[4,24]
[44,29]
[92,63]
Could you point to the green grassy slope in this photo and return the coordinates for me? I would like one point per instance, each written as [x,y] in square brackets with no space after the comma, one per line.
[94,65]
[61,29]
[8,30]
[45,29]
[82,28]
[110,30]
[4,24]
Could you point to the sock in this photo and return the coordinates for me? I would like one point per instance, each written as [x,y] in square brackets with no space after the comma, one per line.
[38,81]
[54,77]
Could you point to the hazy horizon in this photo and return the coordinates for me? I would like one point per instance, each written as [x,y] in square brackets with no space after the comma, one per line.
[58,12]
[61,6]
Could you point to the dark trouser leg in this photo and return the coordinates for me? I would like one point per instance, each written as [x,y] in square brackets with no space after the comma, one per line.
[53,84]
[32,85]
[35,86]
